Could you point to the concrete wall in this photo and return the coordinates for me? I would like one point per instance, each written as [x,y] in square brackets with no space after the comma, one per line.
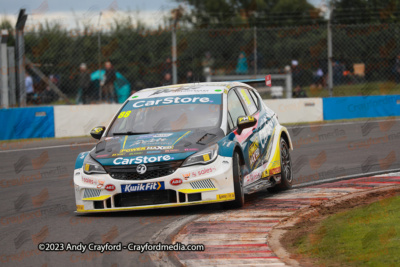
[78,120]
[297,110]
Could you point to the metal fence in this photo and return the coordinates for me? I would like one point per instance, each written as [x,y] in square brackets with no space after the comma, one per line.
[365,60]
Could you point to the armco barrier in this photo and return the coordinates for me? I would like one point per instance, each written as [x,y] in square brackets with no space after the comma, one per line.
[78,120]
[336,108]
[22,123]
[297,110]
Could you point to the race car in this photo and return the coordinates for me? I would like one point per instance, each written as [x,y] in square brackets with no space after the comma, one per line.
[181,145]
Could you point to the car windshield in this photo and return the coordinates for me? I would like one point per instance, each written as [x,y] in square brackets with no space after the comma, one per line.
[175,113]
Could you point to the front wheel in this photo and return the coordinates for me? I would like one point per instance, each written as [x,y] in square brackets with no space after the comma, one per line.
[286,169]
[237,184]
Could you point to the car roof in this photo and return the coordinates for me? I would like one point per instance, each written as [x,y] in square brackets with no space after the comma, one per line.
[186,89]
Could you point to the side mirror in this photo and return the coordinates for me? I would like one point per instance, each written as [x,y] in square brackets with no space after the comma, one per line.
[245,122]
[97,132]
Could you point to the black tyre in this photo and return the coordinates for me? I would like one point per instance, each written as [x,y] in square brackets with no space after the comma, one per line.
[286,169]
[238,185]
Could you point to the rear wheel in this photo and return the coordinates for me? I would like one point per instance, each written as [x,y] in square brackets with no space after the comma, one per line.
[237,184]
[286,169]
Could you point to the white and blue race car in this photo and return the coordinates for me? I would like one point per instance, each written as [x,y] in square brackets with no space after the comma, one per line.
[184,145]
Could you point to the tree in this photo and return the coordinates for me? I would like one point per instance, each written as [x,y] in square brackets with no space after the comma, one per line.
[250,13]
[6,25]
[365,11]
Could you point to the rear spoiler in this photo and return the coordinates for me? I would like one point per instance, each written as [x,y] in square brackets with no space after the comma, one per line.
[267,80]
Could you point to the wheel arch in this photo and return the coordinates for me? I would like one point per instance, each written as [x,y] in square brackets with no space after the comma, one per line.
[240,153]
[285,135]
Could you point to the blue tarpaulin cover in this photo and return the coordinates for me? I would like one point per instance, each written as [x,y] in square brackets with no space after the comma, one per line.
[22,123]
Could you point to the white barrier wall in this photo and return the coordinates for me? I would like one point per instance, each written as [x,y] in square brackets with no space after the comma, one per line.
[297,109]
[78,120]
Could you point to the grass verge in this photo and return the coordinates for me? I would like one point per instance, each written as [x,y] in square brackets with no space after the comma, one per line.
[363,236]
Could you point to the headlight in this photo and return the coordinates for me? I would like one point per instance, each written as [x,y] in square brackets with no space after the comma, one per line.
[205,156]
[91,166]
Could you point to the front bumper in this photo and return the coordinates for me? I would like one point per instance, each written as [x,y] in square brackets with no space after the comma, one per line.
[199,184]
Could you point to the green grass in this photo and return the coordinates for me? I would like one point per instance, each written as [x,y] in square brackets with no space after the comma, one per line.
[366,236]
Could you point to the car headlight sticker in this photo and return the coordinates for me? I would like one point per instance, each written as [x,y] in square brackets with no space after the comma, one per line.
[91,166]
[205,156]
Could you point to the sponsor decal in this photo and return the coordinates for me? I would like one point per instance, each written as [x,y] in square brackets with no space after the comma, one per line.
[254,152]
[101,183]
[131,150]
[191,149]
[186,175]
[227,144]
[152,140]
[176,181]
[162,135]
[98,183]
[275,163]
[128,188]
[141,169]
[170,100]
[275,170]
[228,196]
[172,150]
[264,133]
[206,171]
[89,180]
[159,147]
[180,89]
[248,118]
[155,152]
[79,207]
[254,176]
[141,159]
[110,187]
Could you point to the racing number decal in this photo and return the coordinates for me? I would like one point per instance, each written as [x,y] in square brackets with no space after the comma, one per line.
[124,114]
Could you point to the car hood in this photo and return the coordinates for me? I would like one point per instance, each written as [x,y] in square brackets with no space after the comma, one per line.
[155,147]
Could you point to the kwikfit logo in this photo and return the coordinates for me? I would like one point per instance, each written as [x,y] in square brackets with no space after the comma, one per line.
[128,188]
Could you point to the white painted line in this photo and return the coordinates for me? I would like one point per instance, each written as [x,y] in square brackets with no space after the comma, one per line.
[305,125]
[46,147]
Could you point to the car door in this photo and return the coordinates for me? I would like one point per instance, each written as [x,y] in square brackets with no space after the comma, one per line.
[248,140]
[266,123]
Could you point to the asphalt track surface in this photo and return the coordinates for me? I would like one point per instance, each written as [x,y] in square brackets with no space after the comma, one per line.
[37,195]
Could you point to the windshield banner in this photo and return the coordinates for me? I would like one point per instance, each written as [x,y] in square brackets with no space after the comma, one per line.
[175,100]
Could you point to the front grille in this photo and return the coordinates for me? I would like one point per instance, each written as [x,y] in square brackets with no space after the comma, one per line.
[207,183]
[145,198]
[91,193]
[154,170]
